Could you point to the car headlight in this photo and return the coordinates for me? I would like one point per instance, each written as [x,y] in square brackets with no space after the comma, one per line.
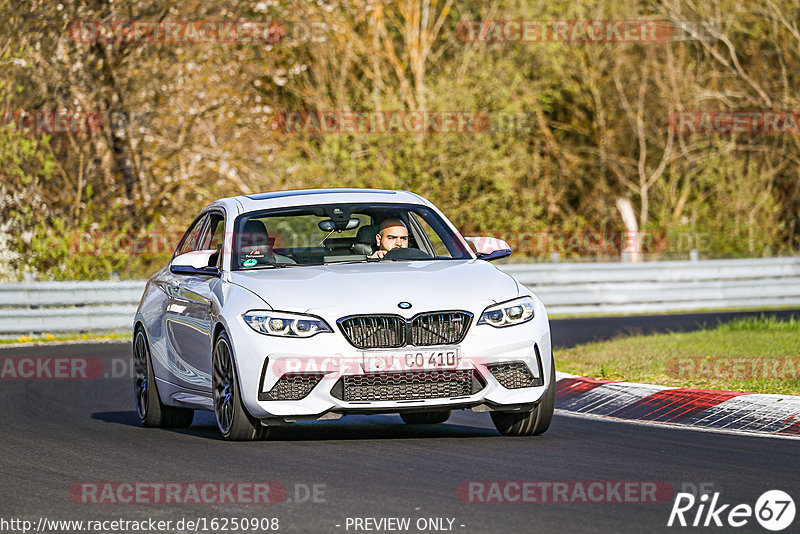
[509,313]
[283,324]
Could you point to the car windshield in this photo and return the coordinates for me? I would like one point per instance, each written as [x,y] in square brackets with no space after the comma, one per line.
[342,233]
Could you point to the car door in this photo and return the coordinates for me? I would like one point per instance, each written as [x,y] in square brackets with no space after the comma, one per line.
[188,317]
[167,361]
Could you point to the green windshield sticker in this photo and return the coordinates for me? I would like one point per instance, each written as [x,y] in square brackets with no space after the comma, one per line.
[250,262]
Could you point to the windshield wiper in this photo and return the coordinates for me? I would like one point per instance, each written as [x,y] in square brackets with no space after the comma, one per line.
[271,266]
[341,262]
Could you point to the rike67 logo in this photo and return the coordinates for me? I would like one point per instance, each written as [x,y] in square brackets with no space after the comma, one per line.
[774,510]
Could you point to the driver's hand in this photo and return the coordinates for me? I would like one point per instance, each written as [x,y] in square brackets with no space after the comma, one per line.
[378,254]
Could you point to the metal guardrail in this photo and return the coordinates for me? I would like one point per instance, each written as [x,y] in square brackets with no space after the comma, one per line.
[52,307]
[565,288]
[585,288]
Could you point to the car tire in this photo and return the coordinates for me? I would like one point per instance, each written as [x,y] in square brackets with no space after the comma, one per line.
[425,418]
[530,423]
[233,421]
[151,411]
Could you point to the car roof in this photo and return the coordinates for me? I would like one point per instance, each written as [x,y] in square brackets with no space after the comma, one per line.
[305,197]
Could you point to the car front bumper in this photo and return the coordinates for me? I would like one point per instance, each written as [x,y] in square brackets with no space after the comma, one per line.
[262,360]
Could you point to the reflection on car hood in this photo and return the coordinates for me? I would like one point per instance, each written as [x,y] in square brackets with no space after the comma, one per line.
[356,288]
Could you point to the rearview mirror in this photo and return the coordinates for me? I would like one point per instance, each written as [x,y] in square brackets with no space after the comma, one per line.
[329,225]
[203,262]
[489,248]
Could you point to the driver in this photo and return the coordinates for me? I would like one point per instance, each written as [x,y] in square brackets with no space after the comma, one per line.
[393,234]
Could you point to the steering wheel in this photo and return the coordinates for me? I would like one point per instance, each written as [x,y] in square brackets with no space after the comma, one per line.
[406,254]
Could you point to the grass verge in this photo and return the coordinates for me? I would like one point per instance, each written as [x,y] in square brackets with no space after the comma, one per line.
[52,338]
[752,355]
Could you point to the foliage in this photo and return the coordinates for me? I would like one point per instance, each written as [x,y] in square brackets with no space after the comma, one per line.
[186,123]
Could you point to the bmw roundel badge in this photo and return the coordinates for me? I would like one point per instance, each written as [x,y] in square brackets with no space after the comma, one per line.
[404,305]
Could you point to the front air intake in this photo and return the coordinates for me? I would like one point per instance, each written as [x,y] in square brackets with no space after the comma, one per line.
[292,386]
[514,375]
[404,386]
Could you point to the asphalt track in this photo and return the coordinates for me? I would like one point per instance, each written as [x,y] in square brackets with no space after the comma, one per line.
[58,433]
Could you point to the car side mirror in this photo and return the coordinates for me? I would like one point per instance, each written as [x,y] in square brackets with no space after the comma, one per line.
[202,262]
[489,248]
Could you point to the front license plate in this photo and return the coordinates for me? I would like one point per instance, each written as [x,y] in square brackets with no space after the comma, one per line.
[413,360]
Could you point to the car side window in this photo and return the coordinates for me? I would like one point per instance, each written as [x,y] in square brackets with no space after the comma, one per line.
[213,232]
[190,239]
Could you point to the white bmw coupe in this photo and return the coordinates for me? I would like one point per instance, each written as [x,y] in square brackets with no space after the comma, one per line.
[312,304]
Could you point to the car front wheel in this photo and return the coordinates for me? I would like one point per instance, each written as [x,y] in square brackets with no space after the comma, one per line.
[233,421]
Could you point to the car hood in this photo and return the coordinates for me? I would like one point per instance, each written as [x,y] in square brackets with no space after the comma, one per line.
[356,288]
